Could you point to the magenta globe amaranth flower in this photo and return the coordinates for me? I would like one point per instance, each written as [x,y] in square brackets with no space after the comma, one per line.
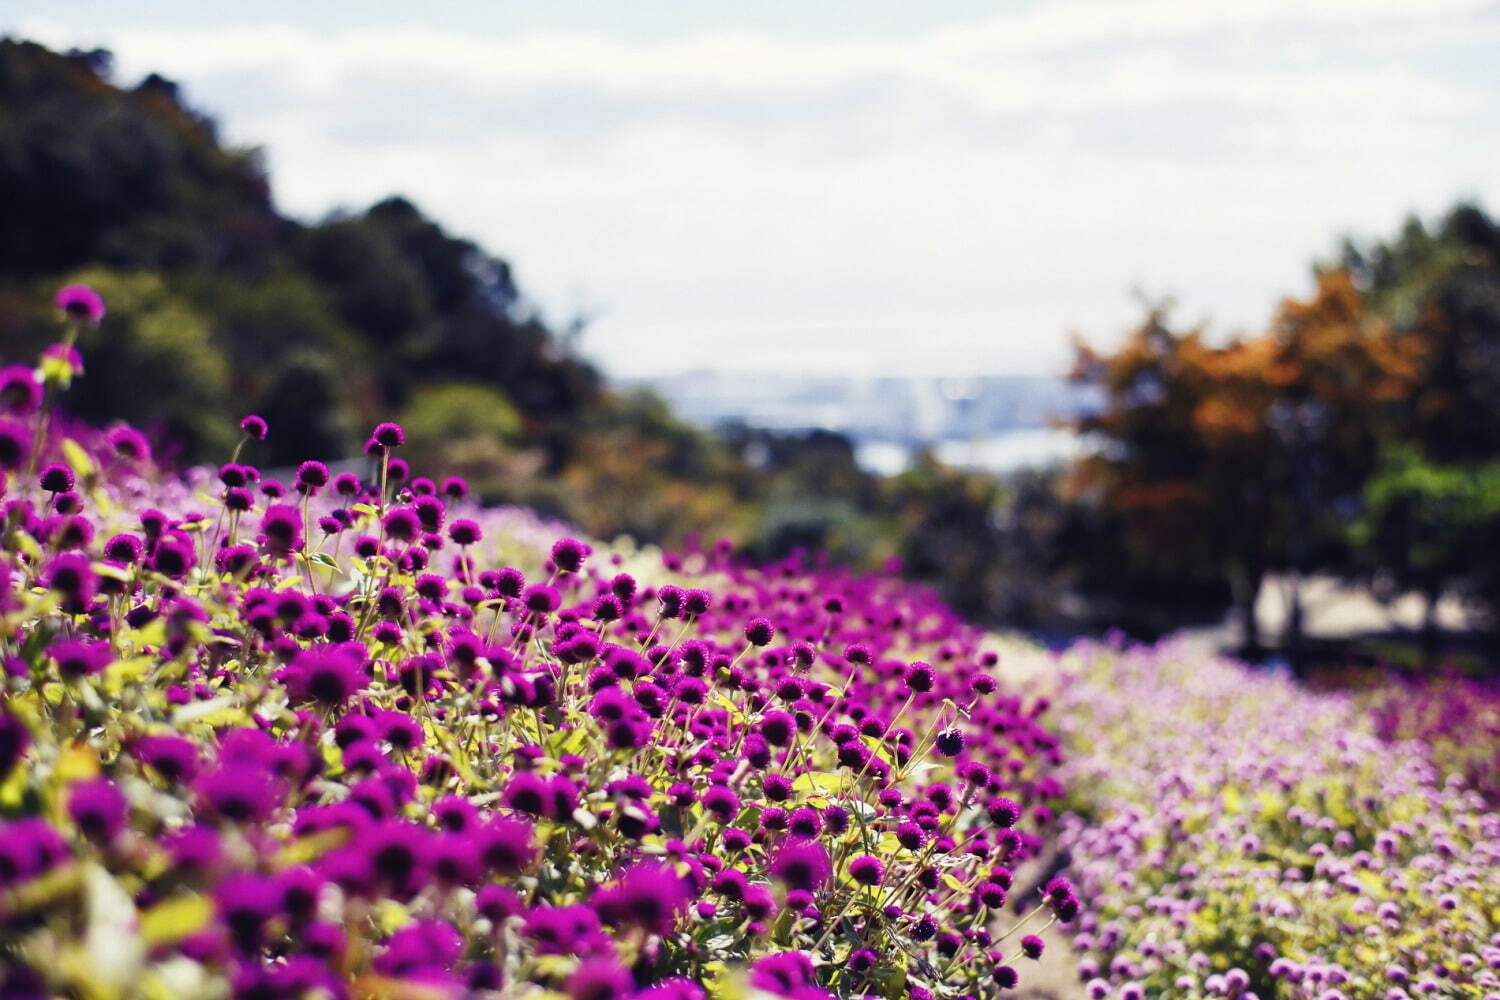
[866,869]
[15,445]
[282,527]
[802,864]
[648,895]
[80,303]
[20,390]
[328,678]
[98,809]
[568,554]
[395,755]
[388,435]
[77,658]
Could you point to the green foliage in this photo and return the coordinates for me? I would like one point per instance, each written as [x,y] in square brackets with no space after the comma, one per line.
[445,412]
[154,345]
[1424,521]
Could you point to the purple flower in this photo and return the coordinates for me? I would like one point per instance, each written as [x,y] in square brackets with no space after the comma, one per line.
[505,845]
[312,476]
[77,658]
[802,864]
[71,575]
[866,869]
[760,631]
[568,554]
[388,435]
[282,527]
[56,478]
[402,524]
[465,532]
[919,677]
[171,756]
[129,444]
[238,792]
[80,303]
[424,951]
[327,677]
[20,390]
[14,739]
[98,809]
[786,974]
[599,979]
[15,444]
[245,904]
[28,848]
[648,895]
[254,427]
[565,930]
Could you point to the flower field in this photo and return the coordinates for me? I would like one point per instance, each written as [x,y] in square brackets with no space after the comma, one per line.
[355,735]
[1237,835]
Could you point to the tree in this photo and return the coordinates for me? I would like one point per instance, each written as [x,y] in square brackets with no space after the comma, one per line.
[1236,460]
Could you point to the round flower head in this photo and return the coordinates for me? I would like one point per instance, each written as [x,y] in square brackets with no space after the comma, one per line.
[56,478]
[71,575]
[98,809]
[919,677]
[254,427]
[465,532]
[282,526]
[80,303]
[568,554]
[950,742]
[15,444]
[802,864]
[402,524]
[329,678]
[866,869]
[20,390]
[171,756]
[14,739]
[77,658]
[540,599]
[312,476]
[129,444]
[648,895]
[760,631]
[388,435]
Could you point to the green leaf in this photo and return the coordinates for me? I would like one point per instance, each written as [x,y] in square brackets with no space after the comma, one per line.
[174,919]
[78,459]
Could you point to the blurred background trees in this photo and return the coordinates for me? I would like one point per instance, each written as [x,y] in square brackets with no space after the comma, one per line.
[1355,436]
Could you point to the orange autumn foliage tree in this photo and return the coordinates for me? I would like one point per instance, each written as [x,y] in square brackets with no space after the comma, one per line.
[1240,458]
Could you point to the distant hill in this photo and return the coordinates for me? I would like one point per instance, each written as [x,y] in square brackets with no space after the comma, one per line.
[219,304]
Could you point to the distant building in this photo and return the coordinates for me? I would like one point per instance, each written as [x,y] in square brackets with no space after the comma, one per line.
[998,422]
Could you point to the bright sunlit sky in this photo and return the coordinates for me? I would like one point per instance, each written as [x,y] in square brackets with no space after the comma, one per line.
[881,186]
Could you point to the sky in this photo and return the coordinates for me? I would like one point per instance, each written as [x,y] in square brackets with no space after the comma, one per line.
[867,188]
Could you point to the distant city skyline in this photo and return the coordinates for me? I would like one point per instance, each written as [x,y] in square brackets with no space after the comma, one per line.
[864,188]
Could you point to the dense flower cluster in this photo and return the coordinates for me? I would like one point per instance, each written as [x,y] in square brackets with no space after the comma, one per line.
[1239,836]
[355,736]
[1456,718]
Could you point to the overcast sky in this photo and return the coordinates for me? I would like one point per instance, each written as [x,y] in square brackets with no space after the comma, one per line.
[871,187]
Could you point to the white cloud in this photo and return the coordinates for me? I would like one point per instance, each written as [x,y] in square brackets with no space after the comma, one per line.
[958,199]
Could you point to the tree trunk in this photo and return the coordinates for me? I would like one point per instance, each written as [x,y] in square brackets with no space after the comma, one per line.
[1431,629]
[1245,585]
[1292,629]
